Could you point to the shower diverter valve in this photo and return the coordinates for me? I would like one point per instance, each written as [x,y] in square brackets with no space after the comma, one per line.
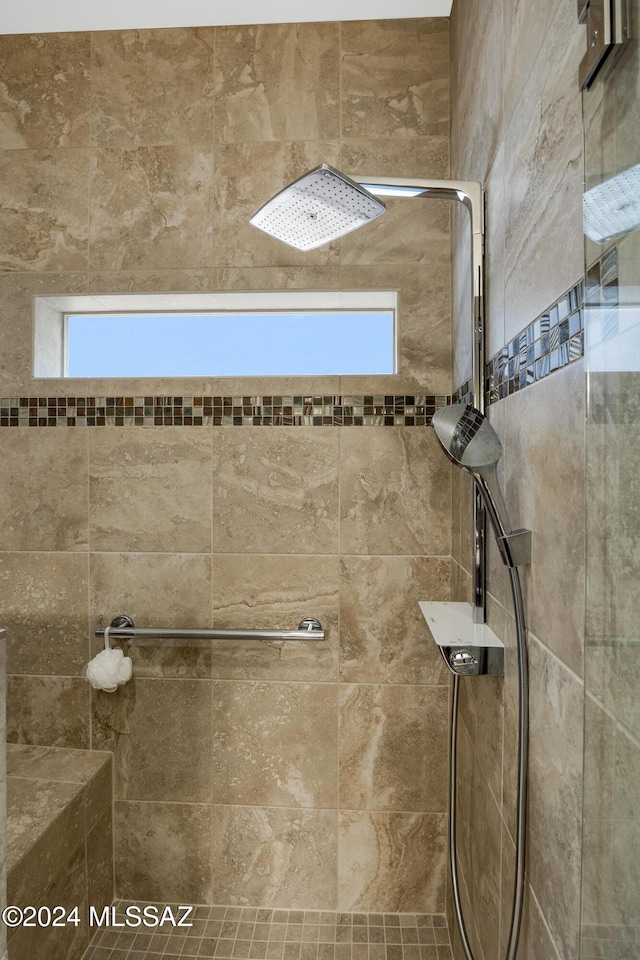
[469,649]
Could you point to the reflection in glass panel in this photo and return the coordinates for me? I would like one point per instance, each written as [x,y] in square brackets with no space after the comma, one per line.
[611,842]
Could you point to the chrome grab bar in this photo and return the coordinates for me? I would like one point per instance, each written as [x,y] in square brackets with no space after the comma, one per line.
[123,628]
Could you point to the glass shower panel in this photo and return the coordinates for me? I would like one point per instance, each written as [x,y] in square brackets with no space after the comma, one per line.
[611,837]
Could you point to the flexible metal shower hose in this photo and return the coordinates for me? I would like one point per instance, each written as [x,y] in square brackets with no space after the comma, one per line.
[521,811]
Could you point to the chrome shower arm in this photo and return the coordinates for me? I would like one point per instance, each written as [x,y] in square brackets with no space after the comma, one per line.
[467,192]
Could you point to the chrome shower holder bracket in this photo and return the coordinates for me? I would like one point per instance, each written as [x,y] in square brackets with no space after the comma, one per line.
[469,649]
[515,548]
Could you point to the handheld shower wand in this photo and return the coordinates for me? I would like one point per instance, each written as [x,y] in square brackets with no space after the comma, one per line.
[470,442]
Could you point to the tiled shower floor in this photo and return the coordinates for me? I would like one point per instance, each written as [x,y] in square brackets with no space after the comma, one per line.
[247,933]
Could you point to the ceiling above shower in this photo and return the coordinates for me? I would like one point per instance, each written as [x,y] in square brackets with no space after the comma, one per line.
[42,16]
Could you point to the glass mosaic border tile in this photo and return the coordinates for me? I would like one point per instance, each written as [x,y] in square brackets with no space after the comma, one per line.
[548,343]
[407,410]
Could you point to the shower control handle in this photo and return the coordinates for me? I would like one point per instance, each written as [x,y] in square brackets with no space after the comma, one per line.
[464,663]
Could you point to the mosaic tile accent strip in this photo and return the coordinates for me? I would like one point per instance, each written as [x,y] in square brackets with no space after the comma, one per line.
[551,341]
[265,411]
[249,933]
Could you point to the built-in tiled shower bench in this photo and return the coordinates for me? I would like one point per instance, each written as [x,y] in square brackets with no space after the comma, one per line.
[59,844]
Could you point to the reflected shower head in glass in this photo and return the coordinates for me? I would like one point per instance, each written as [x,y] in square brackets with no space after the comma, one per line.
[613,206]
[316,209]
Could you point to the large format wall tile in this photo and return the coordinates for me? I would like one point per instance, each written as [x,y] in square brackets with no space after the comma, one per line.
[401,237]
[555,786]
[155,590]
[395,493]
[44,198]
[44,507]
[603,737]
[424,325]
[48,710]
[292,96]
[275,593]
[275,744]
[481,710]
[68,890]
[275,857]
[276,491]
[412,230]
[178,280]
[167,659]
[371,155]
[34,804]
[610,873]
[385,732]
[163,851]
[477,103]
[44,611]
[544,173]
[392,862]
[384,638]
[100,890]
[161,737]
[526,43]
[86,767]
[150,489]
[395,78]
[151,207]
[45,90]
[618,869]
[544,468]
[136,100]
[16,328]
[308,277]
[535,938]
[479,843]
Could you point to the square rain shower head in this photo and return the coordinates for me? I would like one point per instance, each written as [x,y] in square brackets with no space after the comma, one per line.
[316,209]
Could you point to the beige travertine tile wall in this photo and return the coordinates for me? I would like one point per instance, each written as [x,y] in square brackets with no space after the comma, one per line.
[517,126]
[287,775]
